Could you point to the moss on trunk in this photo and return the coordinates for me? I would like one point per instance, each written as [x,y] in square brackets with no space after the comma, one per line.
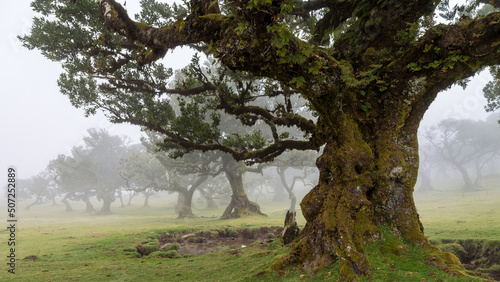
[240,205]
[365,181]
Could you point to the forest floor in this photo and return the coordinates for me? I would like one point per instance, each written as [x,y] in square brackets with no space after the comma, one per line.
[134,243]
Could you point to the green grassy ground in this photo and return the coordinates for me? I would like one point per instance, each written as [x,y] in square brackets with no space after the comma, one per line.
[81,247]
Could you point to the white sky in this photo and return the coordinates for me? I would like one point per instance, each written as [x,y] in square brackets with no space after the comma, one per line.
[37,122]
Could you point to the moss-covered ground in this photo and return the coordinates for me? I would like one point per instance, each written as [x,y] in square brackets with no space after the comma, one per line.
[54,245]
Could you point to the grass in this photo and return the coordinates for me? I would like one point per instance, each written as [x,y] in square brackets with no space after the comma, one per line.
[457,215]
[81,247]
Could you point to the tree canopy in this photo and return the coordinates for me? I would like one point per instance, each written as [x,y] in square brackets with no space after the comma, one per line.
[367,69]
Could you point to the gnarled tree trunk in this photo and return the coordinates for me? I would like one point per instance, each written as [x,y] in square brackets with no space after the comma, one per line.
[367,175]
[107,198]
[185,200]
[240,205]
[183,207]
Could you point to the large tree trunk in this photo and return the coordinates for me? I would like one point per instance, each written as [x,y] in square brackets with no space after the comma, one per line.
[183,207]
[366,180]
[106,205]
[186,197]
[240,205]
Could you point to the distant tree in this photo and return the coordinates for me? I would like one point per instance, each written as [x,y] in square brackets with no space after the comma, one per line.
[370,70]
[73,179]
[39,187]
[428,164]
[465,144]
[142,173]
[92,169]
[302,164]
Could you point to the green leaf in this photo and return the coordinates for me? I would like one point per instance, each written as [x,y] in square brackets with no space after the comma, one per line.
[298,81]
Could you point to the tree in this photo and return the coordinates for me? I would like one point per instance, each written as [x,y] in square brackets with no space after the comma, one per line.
[368,69]
[102,155]
[91,170]
[40,187]
[302,161]
[465,144]
[142,173]
[184,175]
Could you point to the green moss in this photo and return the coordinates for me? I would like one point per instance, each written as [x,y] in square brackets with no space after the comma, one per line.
[148,248]
[180,25]
[141,25]
[162,254]
[454,248]
[213,17]
[173,246]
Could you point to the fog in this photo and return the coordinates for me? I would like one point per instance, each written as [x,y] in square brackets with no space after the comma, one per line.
[39,123]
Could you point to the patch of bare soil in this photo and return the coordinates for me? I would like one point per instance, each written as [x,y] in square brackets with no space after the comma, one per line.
[208,241]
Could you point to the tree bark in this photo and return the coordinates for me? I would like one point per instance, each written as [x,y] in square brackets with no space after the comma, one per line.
[183,207]
[240,205]
[291,230]
[365,181]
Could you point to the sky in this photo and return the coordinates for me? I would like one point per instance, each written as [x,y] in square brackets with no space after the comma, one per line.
[37,122]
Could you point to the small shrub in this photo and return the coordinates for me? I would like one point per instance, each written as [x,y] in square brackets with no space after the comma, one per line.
[270,235]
